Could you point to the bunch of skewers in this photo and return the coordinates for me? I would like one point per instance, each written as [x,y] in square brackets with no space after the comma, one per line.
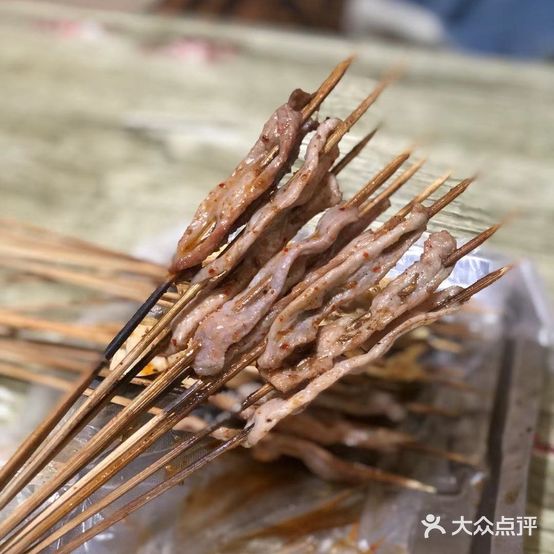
[284,330]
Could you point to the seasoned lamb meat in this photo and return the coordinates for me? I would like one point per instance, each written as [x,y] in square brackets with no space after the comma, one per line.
[415,285]
[366,258]
[403,293]
[312,269]
[329,429]
[274,410]
[225,204]
[238,316]
[296,192]
[350,331]
[326,465]
[272,240]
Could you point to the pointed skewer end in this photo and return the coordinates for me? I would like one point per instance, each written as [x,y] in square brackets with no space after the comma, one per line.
[450,196]
[472,244]
[478,286]
[355,151]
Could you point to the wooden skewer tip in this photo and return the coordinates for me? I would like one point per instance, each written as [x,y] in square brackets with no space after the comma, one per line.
[472,244]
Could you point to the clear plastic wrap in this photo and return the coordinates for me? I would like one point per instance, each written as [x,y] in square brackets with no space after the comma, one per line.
[238,505]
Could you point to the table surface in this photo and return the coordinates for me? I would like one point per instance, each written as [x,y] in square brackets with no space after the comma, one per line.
[114,126]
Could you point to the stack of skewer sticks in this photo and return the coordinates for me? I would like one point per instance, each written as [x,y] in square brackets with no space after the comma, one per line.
[29,527]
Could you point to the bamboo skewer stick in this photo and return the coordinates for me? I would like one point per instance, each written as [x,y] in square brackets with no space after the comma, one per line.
[423,195]
[472,244]
[379,179]
[237,439]
[138,381]
[56,350]
[400,181]
[27,249]
[374,207]
[123,334]
[157,491]
[57,383]
[35,460]
[28,376]
[39,448]
[88,408]
[354,117]
[326,87]
[447,198]
[455,457]
[432,210]
[153,468]
[90,333]
[190,423]
[33,442]
[119,288]
[421,408]
[106,468]
[51,355]
[353,153]
[62,306]
[479,285]
[362,108]
[451,195]
[442,202]
[318,97]
[50,237]
[114,428]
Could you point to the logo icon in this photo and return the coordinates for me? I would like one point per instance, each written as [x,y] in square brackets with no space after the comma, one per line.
[432,523]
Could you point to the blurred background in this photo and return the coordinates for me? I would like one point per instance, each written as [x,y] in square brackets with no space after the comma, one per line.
[119,110]
[499,27]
